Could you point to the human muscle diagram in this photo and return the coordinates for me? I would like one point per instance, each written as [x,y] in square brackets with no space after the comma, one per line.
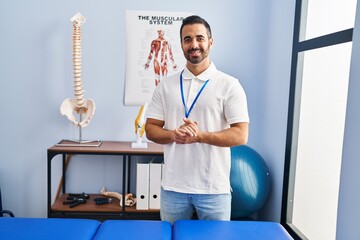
[160,53]
[153,51]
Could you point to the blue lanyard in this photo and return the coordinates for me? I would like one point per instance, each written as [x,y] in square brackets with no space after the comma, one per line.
[187,112]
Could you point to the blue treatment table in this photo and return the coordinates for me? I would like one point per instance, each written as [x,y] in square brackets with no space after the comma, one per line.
[229,230]
[134,230]
[85,229]
[45,229]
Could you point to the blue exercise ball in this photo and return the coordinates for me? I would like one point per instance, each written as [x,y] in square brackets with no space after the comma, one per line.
[250,181]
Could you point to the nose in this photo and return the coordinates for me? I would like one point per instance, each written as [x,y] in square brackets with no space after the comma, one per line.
[194,43]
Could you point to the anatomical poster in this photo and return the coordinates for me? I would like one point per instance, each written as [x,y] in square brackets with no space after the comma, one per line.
[153,51]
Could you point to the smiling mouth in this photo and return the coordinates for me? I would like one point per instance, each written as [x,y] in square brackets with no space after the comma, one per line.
[195,52]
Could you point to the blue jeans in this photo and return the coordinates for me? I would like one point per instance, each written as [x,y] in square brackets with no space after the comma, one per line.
[181,206]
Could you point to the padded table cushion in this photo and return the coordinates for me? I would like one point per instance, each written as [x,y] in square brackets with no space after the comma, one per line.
[47,228]
[134,230]
[228,230]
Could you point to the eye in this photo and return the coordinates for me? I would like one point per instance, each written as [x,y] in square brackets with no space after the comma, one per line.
[200,39]
[187,40]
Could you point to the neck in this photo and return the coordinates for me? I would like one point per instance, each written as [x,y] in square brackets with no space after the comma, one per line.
[197,69]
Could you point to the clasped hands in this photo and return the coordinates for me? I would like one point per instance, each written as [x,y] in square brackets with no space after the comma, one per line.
[187,133]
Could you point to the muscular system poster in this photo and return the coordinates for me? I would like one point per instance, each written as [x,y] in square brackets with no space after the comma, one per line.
[153,51]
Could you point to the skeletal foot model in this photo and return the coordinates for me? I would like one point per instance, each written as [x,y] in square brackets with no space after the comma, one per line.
[129,199]
[85,108]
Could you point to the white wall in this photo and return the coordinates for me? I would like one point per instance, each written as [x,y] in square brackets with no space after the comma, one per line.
[252,42]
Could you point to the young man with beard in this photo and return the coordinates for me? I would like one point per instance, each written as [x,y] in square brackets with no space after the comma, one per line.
[198,115]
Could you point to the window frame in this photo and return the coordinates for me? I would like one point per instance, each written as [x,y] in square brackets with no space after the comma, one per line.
[299,47]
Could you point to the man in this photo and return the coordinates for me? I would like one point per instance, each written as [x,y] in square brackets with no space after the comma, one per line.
[198,115]
[160,51]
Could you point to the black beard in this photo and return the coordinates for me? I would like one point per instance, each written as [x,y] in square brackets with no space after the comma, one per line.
[195,60]
[195,49]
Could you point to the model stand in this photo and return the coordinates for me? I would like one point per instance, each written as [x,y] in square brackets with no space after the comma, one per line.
[139,144]
[80,142]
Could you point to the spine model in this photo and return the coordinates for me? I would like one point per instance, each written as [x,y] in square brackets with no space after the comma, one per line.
[84,108]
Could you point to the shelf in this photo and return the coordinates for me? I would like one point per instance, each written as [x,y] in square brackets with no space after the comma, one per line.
[108,147]
[90,206]
[89,209]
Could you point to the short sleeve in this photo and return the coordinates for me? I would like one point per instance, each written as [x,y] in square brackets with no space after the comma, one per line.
[156,107]
[236,109]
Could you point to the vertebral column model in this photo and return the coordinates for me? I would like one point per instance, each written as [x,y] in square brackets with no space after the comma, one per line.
[84,108]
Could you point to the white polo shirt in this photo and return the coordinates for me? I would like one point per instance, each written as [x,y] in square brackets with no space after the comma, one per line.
[198,168]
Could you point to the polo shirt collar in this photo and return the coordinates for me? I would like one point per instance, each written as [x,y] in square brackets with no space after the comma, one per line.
[204,76]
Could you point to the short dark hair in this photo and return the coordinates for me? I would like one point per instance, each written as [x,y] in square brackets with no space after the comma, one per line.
[194,19]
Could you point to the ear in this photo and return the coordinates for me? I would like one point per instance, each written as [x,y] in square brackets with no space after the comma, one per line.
[211,41]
